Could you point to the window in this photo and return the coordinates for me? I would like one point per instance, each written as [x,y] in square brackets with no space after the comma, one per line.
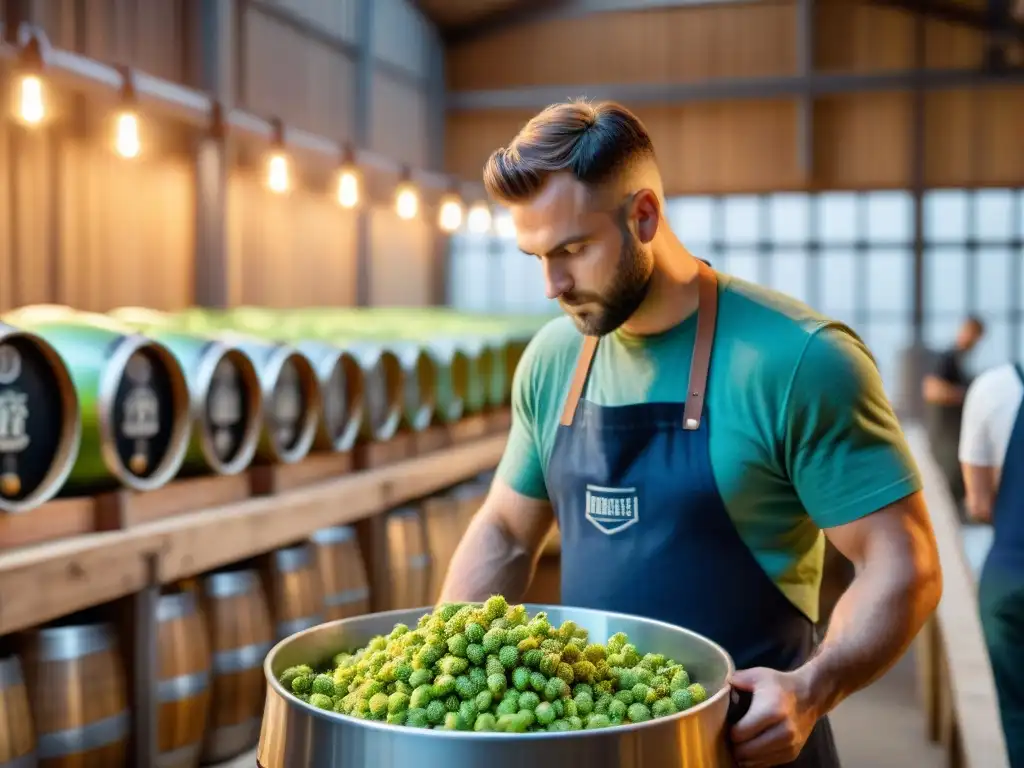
[994,345]
[838,283]
[890,217]
[837,216]
[994,270]
[692,219]
[789,273]
[744,264]
[993,215]
[742,220]
[789,219]
[945,280]
[890,281]
[888,341]
[945,216]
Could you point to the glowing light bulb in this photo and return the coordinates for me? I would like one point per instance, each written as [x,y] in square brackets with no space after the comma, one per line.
[277,173]
[126,140]
[31,109]
[504,226]
[348,189]
[479,220]
[450,218]
[407,204]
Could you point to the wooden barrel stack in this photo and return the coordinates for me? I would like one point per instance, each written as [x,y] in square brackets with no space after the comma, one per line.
[17,736]
[342,572]
[443,534]
[409,553]
[296,595]
[183,691]
[75,679]
[240,636]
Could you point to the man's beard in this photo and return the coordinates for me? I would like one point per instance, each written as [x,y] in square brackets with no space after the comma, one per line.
[627,293]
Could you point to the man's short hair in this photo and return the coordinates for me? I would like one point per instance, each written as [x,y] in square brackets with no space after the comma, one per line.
[595,142]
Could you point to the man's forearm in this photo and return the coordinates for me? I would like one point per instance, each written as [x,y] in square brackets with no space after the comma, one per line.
[488,562]
[873,624]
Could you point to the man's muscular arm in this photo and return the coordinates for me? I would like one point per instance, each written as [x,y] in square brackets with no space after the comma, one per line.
[499,551]
[897,586]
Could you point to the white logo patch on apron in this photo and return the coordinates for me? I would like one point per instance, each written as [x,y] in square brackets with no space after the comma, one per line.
[612,510]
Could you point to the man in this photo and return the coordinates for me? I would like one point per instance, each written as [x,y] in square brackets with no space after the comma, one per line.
[992,454]
[943,391]
[692,443]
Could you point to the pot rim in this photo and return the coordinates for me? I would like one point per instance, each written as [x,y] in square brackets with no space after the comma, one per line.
[324,714]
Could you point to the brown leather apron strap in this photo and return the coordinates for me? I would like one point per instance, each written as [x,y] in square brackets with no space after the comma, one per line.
[707,316]
[579,379]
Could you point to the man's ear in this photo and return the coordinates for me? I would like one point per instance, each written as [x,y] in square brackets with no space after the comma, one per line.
[646,215]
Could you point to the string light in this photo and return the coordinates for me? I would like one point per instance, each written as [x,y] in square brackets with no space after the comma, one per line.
[407,202]
[31,106]
[450,215]
[479,220]
[504,226]
[348,179]
[278,175]
[126,126]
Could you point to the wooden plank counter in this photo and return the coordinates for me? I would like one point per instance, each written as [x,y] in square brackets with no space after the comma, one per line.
[961,706]
[44,582]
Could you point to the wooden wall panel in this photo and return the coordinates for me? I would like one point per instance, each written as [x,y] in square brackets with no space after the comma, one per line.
[144,34]
[126,231]
[402,259]
[863,141]
[660,45]
[288,250]
[305,83]
[338,18]
[91,230]
[399,126]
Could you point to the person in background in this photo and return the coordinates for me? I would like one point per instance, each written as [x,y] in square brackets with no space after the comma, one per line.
[943,390]
[992,456]
[696,437]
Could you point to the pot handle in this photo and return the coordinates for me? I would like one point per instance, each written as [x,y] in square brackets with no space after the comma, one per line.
[739,704]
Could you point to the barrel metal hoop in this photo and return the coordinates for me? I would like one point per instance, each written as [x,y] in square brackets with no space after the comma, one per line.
[230,583]
[182,687]
[74,642]
[10,673]
[339,534]
[294,626]
[84,738]
[182,757]
[28,760]
[240,659]
[347,596]
[292,559]
[175,606]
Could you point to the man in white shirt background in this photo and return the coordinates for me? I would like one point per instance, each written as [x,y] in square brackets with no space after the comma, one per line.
[992,457]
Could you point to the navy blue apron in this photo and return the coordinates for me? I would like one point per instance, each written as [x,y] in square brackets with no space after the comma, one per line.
[645,531]
[1001,592]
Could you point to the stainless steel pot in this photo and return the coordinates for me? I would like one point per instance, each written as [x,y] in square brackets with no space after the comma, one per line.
[296,735]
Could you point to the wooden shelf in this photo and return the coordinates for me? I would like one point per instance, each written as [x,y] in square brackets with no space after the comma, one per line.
[47,581]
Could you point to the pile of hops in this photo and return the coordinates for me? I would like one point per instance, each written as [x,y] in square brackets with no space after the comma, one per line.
[469,667]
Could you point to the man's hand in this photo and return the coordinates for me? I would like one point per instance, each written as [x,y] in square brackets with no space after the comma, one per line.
[781,717]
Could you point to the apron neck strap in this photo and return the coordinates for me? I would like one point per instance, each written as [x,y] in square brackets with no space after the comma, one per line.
[707,315]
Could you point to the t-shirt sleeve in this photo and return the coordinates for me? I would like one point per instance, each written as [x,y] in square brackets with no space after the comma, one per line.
[976,444]
[845,452]
[520,466]
[944,367]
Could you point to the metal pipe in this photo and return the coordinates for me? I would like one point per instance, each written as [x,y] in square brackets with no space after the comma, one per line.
[725,89]
[73,70]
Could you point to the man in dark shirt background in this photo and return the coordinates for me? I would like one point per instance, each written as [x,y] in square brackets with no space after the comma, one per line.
[944,389]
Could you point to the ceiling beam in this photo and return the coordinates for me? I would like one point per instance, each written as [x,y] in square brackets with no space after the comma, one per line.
[955,13]
[531,11]
[722,89]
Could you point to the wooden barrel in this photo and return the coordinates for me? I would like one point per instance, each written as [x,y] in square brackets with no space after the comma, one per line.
[444,532]
[240,637]
[17,737]
[342,572]
[296,595]
[183,690]
[409,555]
[470,497]
[76,684]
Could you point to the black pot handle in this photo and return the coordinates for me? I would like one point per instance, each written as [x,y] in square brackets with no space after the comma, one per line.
[739,705]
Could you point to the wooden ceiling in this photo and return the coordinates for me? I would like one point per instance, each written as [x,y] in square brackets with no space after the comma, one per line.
[459,14]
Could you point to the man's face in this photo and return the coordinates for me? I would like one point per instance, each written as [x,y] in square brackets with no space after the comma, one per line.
[593,264]
[970,334]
